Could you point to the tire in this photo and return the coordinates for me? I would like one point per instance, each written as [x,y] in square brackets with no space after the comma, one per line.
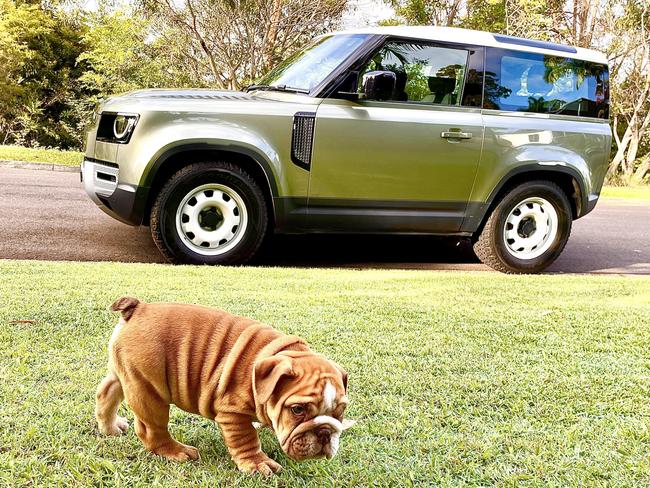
[209,213]
[511,243]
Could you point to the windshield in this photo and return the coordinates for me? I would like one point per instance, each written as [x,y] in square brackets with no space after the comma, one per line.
[311,65]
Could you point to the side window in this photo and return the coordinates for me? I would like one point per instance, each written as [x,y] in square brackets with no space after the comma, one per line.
[424,73]
[529,82]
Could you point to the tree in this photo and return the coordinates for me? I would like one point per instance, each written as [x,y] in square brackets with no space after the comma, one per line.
[123,55]
[629,56]
[229,43]
[472,14]
[37,83]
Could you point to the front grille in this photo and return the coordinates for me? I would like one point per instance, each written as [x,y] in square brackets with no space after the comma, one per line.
[302,138]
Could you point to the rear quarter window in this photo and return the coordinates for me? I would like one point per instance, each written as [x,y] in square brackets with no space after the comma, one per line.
[539,83]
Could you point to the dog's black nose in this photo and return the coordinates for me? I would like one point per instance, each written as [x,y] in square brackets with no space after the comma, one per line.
[324,435]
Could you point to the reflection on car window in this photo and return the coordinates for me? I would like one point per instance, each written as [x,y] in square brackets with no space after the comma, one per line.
[310,66]
[531,82]
[424,73]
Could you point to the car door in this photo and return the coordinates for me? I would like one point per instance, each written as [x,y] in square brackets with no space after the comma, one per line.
[406,164]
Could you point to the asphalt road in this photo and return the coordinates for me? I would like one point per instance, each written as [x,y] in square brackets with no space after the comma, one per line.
[47,215]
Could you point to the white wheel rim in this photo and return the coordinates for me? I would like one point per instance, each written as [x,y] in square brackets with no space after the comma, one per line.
[530,228]
[211,219]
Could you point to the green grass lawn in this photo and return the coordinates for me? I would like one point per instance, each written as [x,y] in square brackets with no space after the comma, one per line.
[627,192]
[455,378]
[56,156]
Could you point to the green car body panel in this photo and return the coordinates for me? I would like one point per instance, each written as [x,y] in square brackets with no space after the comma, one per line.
[409,179]
[375,166]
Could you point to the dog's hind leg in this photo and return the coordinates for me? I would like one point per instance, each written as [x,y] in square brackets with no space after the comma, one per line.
[152,417]
[108,398]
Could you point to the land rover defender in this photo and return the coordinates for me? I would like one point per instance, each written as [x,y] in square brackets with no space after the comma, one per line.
[422,130]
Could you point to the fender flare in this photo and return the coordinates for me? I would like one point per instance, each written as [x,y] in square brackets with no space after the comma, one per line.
[536,167]
[142,202]
[165,153]
[477,211]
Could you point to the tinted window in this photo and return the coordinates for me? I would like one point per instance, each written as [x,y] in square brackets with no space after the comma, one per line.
[528,82]
[424,73]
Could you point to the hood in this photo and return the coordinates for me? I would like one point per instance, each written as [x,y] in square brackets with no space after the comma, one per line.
[205,101]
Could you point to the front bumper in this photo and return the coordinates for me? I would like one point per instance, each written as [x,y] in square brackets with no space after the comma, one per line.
[121,201]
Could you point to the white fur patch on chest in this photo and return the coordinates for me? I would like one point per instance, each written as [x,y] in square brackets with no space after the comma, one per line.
[329,395]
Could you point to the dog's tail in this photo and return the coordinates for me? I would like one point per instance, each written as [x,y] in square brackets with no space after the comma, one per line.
[126,305]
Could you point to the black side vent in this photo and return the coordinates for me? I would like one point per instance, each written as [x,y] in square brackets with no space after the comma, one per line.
[302,139]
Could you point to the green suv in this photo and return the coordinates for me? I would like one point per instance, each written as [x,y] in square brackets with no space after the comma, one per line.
[409,130]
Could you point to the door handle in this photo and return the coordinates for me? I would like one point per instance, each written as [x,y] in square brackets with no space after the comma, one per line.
[453,134]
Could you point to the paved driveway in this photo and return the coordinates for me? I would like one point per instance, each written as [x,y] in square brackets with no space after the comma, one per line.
[46,215]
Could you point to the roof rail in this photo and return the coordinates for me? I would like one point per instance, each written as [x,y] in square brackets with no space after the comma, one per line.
[532,43]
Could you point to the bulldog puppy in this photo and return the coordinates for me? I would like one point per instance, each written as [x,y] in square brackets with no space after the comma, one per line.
[227,368]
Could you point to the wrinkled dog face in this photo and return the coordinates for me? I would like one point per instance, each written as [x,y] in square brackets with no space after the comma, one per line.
[310,425]
[305,404]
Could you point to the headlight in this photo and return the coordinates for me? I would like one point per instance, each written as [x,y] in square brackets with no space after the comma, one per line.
[115,127]
[123,125]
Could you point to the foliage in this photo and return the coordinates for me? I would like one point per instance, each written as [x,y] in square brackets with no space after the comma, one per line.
[38,89]
[472,14]
[119,54]
[630,65]
[228,44]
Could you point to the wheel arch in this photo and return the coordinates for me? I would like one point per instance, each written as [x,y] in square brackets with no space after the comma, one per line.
[168,161]
[567,178]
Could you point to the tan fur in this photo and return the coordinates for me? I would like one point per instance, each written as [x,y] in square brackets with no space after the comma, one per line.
[227,368]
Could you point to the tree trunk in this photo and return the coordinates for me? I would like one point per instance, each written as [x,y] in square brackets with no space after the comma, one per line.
[632,150]
[619,157]
[272,34]
[641,170]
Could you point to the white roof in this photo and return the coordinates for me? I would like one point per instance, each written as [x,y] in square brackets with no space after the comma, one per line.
[480,38]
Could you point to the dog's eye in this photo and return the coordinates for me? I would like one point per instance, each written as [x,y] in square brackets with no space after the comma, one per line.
[298,410]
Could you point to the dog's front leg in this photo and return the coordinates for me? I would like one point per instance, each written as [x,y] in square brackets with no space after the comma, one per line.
[244,445]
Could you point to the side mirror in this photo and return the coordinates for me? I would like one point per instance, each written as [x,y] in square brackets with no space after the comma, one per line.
[378,85]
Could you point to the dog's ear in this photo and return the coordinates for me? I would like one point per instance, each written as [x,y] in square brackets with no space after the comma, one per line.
[267,374]
[126,305]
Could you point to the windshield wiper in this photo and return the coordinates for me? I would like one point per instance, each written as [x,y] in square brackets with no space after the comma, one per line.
[280,88]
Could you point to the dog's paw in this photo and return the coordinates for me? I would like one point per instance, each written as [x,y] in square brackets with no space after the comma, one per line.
[117,427]
[178,452]
[260,463]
